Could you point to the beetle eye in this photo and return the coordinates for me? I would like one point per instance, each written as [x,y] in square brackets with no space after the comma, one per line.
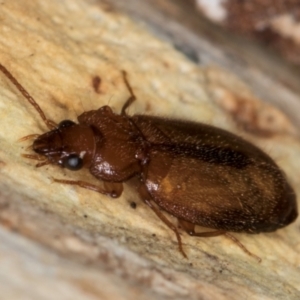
[66,123]
[73,162]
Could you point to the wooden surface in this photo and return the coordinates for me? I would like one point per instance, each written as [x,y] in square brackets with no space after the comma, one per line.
[63,242]
[178,22]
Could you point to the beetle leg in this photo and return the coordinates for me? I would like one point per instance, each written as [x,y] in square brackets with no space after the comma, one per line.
[43,163]
[29,137]
[190,229]
[168,223]
[33,156]
[132,96]
[235,240]
[115,188]
[112,189]
[145,196]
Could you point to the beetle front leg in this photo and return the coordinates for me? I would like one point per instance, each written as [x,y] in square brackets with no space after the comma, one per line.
[111,189]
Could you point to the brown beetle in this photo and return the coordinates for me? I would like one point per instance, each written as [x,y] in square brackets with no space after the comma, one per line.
[200,174]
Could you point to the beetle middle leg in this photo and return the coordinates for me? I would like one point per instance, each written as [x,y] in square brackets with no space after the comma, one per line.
[132,96]
[169,224]
[145,196]
[111,189]
[190,229]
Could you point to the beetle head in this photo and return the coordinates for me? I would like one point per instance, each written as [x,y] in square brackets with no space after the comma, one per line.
[70,145]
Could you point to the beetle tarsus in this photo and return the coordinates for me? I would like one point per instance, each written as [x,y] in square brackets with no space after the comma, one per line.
[235,240]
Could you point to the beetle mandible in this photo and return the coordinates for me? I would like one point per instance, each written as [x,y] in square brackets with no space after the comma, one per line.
[198,173]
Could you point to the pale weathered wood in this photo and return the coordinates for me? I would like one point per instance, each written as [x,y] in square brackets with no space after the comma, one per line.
[62,242]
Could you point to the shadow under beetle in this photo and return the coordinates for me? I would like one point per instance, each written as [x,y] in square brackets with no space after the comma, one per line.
[198,173]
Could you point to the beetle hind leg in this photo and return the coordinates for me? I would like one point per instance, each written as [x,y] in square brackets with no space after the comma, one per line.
[235,240]
[190,229]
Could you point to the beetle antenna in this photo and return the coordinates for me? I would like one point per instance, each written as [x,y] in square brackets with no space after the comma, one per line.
[50,124]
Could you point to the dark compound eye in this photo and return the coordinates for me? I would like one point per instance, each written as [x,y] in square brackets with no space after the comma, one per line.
[73,162]
[66,123]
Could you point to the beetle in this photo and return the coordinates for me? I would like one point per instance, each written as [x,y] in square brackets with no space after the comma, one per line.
[200,174]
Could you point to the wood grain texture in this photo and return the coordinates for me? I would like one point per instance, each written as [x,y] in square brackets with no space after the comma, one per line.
[62,241]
